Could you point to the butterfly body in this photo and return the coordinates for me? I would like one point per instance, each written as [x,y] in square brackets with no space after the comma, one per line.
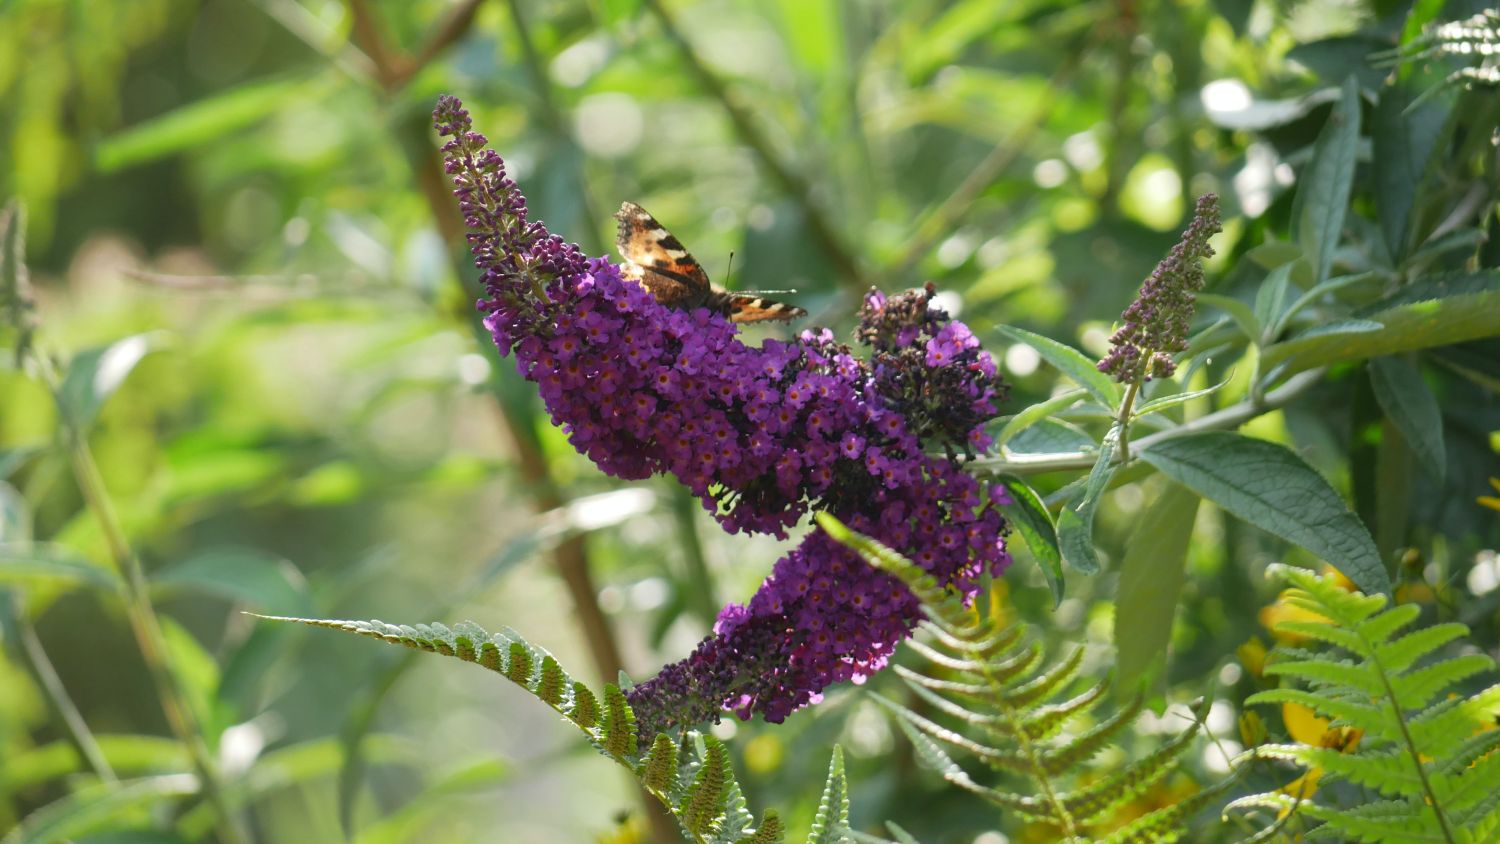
[656,259]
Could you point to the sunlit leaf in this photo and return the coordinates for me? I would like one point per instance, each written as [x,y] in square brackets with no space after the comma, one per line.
[1071,362]
[197,124]
[1031,520]
[95,374]
[94,807]
[1438,312]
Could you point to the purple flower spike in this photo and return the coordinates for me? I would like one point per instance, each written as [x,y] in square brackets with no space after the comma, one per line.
[761,435]
[1155,326]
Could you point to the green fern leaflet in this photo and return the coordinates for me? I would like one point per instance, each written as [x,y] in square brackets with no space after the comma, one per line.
[1426,756]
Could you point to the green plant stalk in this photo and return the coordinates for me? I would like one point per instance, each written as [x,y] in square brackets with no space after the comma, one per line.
[1227,419]
[1127,404]
[144,623]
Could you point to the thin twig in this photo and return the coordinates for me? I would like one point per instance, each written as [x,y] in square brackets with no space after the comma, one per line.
[792,183]
[57,696]
[1228,418]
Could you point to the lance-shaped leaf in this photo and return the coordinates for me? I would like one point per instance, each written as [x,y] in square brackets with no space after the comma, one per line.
[1269,486]
[1411,407]
[1151,583]
[1323,196]
[1071,362]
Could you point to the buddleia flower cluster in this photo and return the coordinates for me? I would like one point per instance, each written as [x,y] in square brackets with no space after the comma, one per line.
[762,435]
[1155,326]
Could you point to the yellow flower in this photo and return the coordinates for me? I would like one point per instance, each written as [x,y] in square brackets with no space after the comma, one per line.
[1307,728]
[1491,501]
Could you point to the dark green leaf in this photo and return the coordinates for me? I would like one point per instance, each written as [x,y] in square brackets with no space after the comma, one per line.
[1030,517]
[1323,194]
[1072,362]
[1403,143]
[1274,253]
[1410,405]
[1050,436]
[1269,486]
[1151,578]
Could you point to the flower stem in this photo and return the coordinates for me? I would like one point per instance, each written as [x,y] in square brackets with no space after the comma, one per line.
[1227,419]
[1122,418]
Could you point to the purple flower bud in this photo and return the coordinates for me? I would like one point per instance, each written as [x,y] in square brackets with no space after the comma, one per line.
[1155,326]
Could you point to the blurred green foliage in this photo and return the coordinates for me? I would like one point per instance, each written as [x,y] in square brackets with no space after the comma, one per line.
[238,235]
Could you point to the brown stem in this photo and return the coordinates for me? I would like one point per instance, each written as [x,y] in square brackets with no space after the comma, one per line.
[792,183]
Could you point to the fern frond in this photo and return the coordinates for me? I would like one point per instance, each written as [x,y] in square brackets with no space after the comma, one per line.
[1432,765]
[699,808]
[1000,702]
[769,830]
[831,823]
[692,779]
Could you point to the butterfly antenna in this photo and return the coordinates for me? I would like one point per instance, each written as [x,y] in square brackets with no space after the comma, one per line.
[729,269]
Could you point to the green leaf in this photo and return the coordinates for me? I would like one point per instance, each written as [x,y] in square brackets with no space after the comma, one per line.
[1438,312]
[15,457]
[1323,195]
[1075,526]
[94,375]
[1167,402]
[1410,405]
[1071,362]
[1151,578]
[1403,143]
[39,562]
[1035,413]
[197,124]
[1030,518]
[244,575]
[1240,312]
[1274,253]
[93,807]
[1270,301]
[1319,291]
[1269,486]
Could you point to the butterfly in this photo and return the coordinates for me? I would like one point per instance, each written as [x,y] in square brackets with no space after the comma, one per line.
[656,260]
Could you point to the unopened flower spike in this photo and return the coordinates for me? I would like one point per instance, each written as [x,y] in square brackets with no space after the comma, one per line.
[1155,326]
[762,435]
